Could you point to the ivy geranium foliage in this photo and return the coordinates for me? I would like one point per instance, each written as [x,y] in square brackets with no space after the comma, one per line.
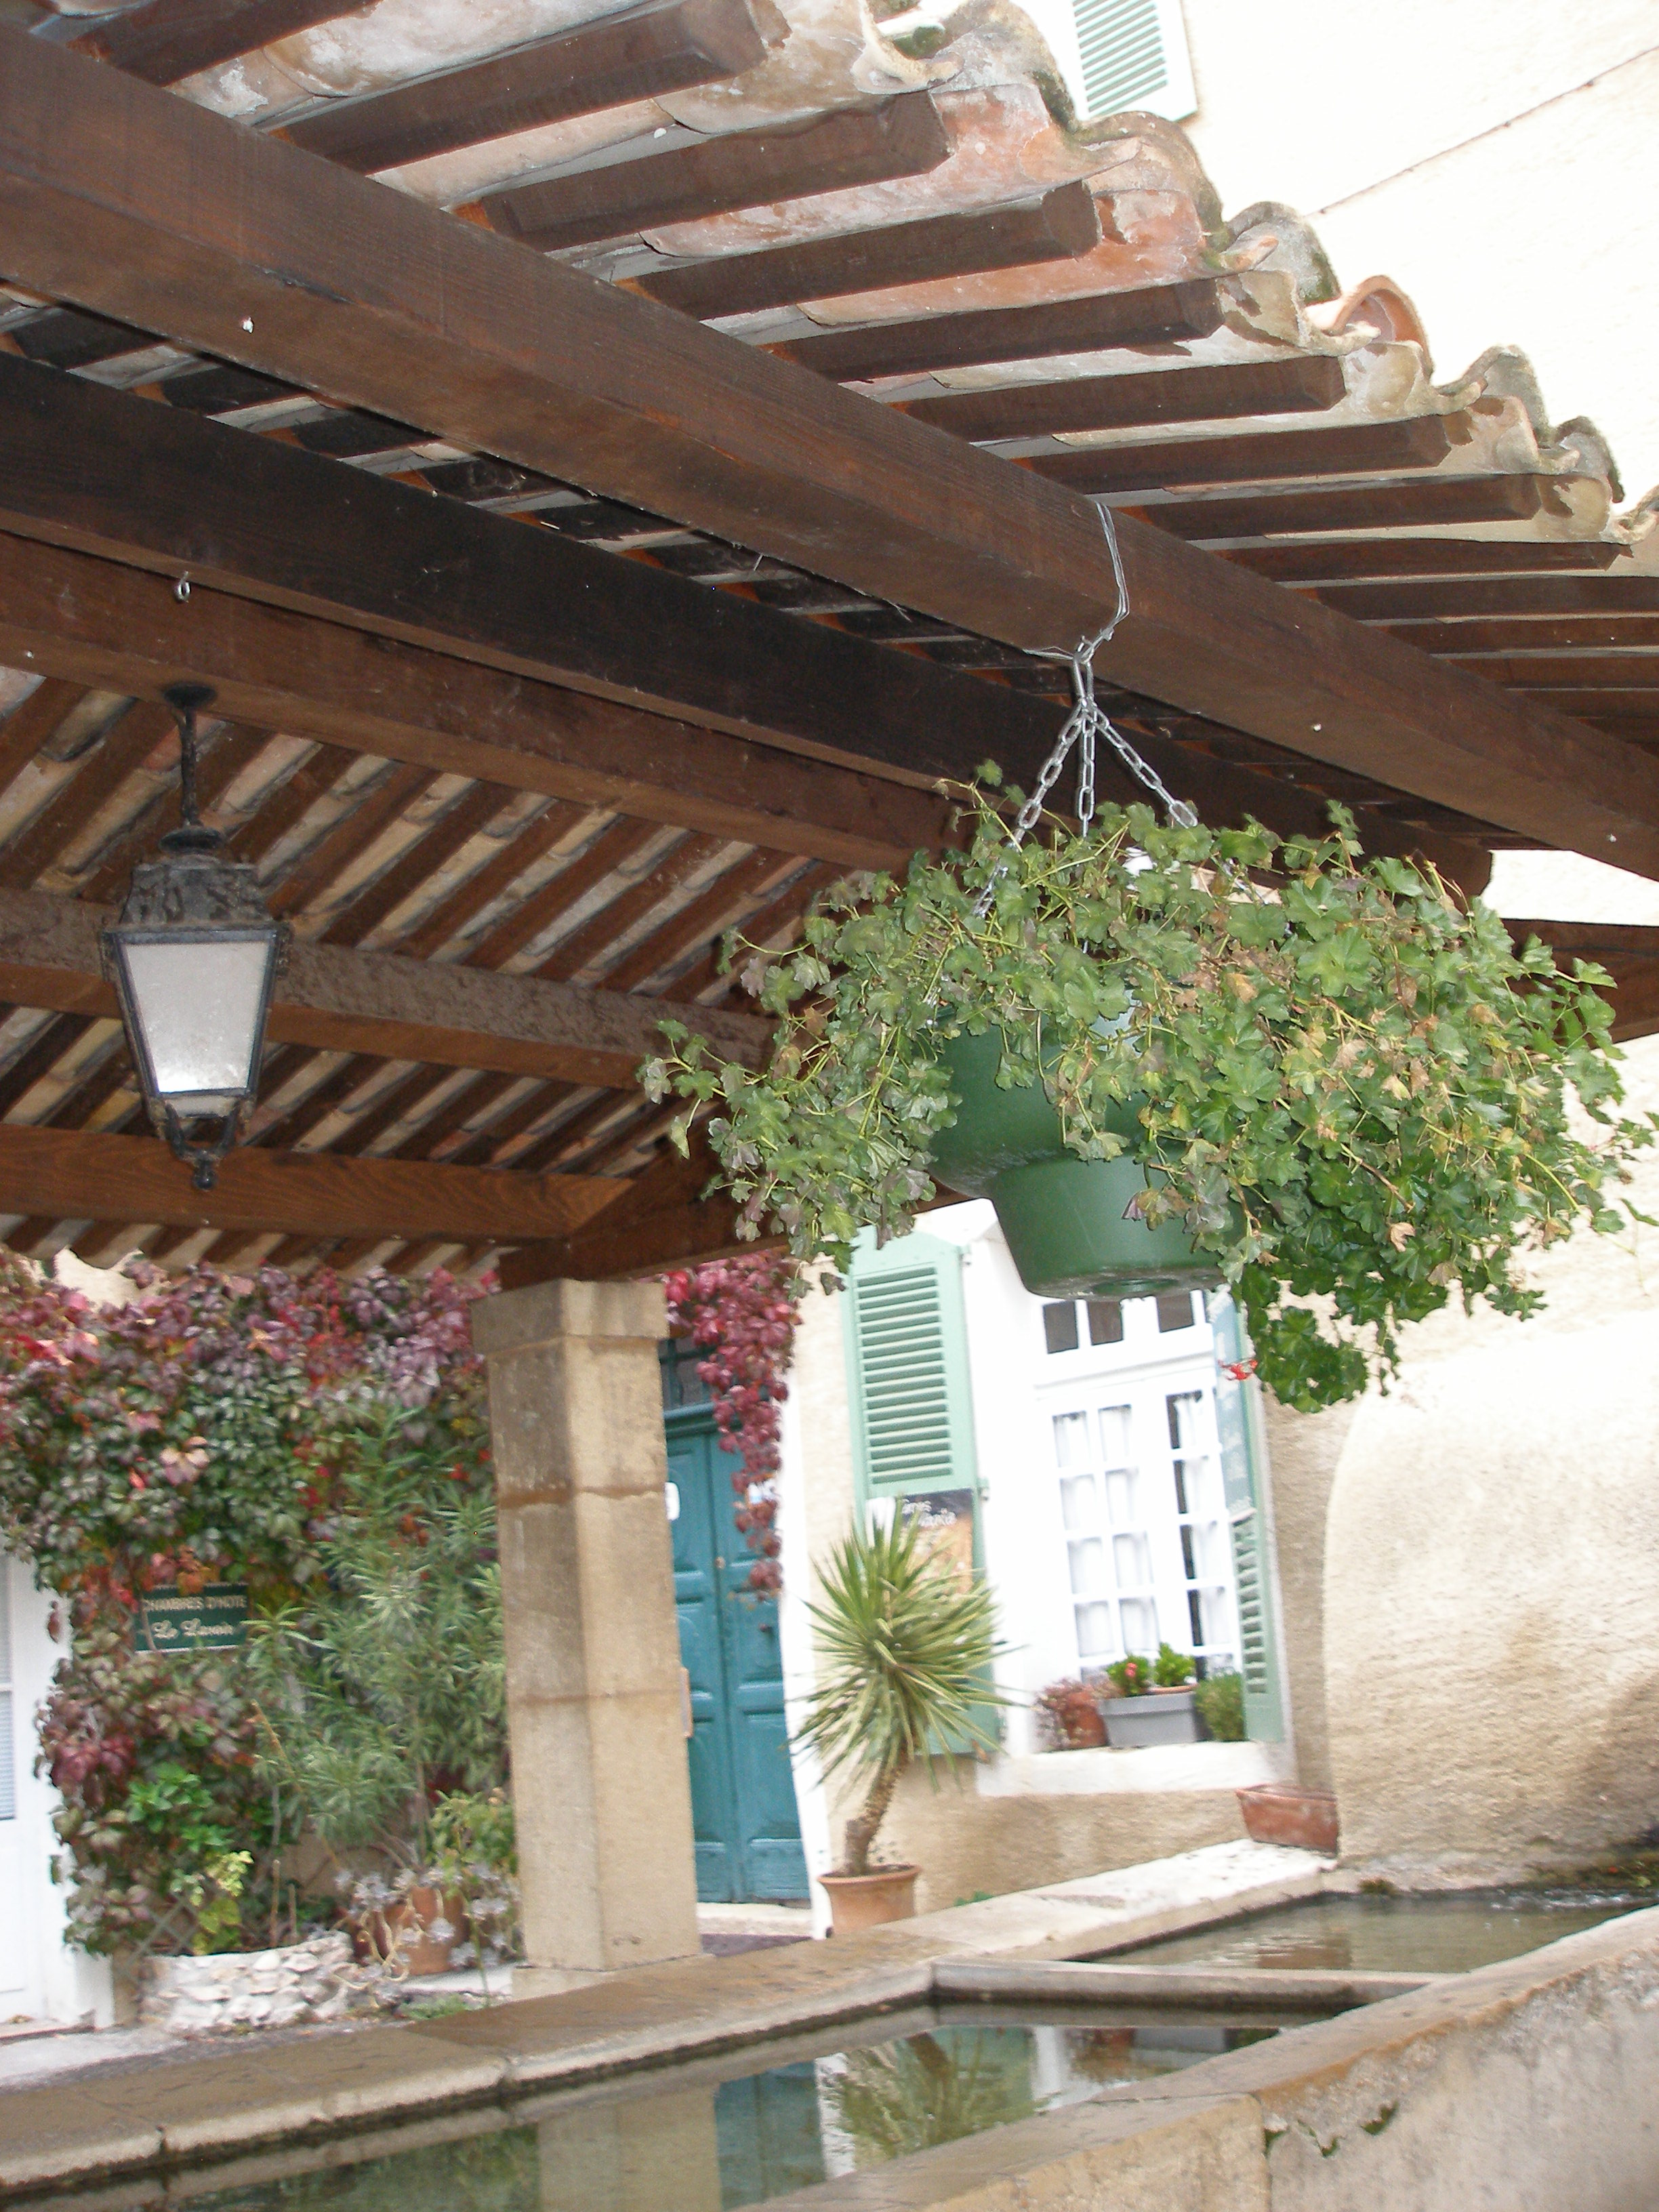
[295,1436]
[743,1312]
[1357,1095]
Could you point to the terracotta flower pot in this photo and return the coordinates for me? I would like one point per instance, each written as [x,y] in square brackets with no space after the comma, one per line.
[859,1901]
[405,1930]
[1282,1812]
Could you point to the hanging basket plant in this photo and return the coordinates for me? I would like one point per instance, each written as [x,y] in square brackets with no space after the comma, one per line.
[1180,1055]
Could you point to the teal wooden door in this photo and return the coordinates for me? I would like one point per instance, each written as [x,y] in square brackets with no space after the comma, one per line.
[743,1790]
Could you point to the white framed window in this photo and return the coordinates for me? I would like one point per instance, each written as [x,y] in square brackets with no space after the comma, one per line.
[1131,1441]
[1119,55]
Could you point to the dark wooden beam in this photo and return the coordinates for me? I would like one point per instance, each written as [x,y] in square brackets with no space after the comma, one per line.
[1460,598]
[105,625]
[662,46]
[1434,500]
[375,1002]
[1061,226]
[1619,633]
[73,1174]
[1302,385]
[1334,559]
[32,722]
[146,207]
[166,39]
[1628,950]
[111,475]
[1590,671]
[134,736]
[525,920]
[659,1220]
[1422,441]
[466,818]
[874,145]
[978,337]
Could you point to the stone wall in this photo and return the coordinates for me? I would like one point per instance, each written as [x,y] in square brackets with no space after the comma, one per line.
[248,1989]
[1491,1639]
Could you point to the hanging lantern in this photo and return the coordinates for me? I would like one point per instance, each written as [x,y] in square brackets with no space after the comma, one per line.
[192,958]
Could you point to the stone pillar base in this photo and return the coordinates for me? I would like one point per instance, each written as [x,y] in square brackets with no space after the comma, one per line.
[601,1787]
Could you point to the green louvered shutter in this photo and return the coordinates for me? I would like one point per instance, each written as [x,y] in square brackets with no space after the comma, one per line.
[907,1365]
[1132,54]
[908,1379]
[1238,1423]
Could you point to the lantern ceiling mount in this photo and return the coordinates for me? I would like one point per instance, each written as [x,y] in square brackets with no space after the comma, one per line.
[194,957]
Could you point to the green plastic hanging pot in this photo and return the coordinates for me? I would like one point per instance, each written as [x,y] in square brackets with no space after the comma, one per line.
[1066,1220]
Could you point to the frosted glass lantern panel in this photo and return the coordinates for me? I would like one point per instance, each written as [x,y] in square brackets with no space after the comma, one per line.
[1072,1439]
[1094,1632]
[1123,1498]
[1078,1507]
[198,1008]
[1140,1624]
[1116,1448]
[1132,1561]
[1088,1566]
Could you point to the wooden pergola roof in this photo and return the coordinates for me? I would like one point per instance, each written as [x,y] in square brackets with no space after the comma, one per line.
[603,521]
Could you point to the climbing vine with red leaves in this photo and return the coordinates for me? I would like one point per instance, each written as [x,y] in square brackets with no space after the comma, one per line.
[743,1312]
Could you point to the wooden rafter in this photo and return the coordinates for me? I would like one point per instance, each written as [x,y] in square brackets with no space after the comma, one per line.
[164,40]
[73,1174]
[103,624]
[663,46]
[140,206]
[1059,226]
[375,1002]
[870,145]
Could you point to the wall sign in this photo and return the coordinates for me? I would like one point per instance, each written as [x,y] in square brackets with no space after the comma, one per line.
[212,1619]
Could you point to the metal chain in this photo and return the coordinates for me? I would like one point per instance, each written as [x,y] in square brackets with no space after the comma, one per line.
[1087,721]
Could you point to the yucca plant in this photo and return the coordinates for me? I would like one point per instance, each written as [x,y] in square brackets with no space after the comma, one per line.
[905,1648]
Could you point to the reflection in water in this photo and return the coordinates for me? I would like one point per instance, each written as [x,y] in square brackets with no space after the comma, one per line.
[1440,1934]
[927,2089]
[662,2142]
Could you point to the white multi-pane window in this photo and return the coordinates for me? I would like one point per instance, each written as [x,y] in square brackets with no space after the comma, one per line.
[1128,1419]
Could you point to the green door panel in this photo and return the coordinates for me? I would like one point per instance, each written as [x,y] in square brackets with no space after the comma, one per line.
[743,1789]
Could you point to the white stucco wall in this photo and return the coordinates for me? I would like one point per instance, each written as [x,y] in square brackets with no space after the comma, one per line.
[1490,1633]
[40,1977]
[1498,159]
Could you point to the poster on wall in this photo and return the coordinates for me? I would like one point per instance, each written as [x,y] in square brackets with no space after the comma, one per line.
[945,1518]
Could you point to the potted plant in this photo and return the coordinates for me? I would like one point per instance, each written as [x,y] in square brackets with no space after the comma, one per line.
[905,1646]
[1070,1716]
[1331,1084]
[1155,1704]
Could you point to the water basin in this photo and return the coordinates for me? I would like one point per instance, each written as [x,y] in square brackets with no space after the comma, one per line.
[711,2135]
[1441,1934]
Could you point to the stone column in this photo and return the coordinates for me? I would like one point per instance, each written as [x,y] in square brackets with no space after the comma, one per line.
[599,1781]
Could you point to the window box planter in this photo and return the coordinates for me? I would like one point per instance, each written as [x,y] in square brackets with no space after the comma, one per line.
[1161,1717]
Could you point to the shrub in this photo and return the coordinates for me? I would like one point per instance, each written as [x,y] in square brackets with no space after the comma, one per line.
[256,1430]
[1221,1699]
[1171,1668]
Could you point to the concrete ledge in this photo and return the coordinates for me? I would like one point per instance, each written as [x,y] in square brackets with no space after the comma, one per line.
[132,2118]
[1157,1769]
[1267,1989]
